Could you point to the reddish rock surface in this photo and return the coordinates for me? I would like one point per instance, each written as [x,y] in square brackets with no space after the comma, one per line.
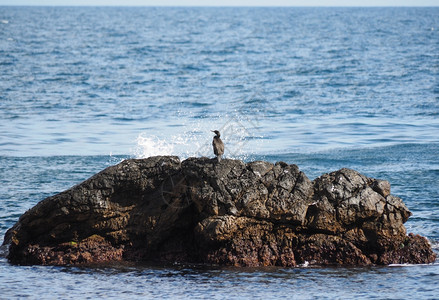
[228,213]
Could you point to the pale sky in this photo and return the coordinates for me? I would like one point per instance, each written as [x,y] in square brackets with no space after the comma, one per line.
[223,2]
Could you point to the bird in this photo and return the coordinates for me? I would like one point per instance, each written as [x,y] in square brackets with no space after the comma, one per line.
[218,145]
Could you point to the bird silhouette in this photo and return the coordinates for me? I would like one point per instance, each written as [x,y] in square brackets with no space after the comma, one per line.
[218,145]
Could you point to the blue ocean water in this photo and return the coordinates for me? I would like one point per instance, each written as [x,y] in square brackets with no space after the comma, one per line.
[324,88]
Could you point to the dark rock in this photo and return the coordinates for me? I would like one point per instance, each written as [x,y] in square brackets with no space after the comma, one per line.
[94,249]
[227,213]
[415,249]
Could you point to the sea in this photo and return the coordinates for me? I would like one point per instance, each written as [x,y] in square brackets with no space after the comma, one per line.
[83,88]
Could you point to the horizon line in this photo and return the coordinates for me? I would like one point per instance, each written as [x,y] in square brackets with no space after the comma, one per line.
[221,6]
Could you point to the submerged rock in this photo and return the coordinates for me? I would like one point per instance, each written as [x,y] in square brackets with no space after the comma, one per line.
[228,213]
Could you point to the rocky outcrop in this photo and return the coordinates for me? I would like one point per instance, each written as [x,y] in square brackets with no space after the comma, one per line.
[226,213]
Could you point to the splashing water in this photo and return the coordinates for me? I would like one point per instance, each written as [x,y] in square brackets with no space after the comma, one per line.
[240,132]
[197,141]
[184,145]
[151,146]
